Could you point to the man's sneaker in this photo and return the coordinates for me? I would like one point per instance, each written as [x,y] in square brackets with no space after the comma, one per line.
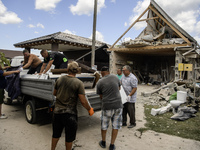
[3,117]
[102,144]
[131,125]
[112,147]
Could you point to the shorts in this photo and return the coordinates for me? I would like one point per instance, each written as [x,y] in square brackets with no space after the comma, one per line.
[1,96]
[115,115]
[67,121]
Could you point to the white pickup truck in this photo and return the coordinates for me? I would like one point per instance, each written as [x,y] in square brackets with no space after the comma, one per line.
[37,92]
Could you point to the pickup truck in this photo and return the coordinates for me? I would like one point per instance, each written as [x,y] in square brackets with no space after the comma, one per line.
[37,93]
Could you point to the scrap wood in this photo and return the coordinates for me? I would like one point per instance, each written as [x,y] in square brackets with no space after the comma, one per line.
[146,94]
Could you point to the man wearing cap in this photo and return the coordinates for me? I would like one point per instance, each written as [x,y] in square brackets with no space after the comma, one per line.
[68,90]
[59,60]
[108,89]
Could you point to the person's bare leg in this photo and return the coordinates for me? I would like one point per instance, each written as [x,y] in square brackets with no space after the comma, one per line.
[54,143]
[114,135]
[103,135]
[68,145]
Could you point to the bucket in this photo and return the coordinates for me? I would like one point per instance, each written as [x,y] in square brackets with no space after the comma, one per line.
[181,96]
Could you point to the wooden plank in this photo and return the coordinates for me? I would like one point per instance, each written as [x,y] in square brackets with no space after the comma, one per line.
[148,19]
[130,27]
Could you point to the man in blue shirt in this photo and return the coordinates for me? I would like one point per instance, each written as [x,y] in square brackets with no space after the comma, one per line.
[3,86]
[129,83]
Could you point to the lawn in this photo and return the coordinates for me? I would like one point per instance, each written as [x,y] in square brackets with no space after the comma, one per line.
[189,129]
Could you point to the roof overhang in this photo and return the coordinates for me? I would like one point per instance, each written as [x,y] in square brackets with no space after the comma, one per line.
[161,50]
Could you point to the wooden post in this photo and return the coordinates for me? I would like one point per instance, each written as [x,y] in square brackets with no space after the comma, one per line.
[54,46]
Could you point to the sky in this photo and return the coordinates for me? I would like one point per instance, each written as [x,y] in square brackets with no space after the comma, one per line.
[22,20]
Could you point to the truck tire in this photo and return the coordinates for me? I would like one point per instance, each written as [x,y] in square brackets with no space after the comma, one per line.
[30,112]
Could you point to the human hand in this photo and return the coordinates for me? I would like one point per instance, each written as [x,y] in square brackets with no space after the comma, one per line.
[21,69]
[39,73]
[17,71]
[91,111]
[128,98]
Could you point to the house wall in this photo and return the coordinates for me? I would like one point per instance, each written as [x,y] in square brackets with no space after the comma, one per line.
[161,68]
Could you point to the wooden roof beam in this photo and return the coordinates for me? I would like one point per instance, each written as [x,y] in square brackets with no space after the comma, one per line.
[169,24]
[148,19]
[130,27]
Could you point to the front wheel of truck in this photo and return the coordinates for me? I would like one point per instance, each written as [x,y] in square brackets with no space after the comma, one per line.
[30,112]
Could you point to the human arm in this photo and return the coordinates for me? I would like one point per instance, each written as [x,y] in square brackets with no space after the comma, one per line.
[6,67]
[54,92]
[30,60]
[10,72]
[42,68]
[48,66]
[133,91]
[85,104]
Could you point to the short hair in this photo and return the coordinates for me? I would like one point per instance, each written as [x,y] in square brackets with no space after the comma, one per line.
[104,68]
[43,51]
[25,51]
[127,67]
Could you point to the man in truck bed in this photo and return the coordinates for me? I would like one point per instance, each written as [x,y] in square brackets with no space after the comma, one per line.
[59,60]
[32,61]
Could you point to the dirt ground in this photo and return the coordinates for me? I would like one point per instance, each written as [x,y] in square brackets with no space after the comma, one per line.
[17,134]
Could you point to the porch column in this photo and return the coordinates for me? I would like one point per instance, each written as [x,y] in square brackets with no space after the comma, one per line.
[178,59]
[54,46]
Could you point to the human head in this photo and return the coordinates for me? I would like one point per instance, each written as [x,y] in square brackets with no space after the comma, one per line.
[26,53]
[73,68]
[126,70]
[119,71]
[104,71]
[44,53]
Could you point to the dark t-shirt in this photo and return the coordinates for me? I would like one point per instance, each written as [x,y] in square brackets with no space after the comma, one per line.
[68,89]
[57,57]
[2,80]
[108,87]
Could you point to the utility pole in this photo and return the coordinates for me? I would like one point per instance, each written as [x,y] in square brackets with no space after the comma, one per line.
[94,34]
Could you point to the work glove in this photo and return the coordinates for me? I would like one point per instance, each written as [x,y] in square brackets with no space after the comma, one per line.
[21,69]
[128,98]
[91,111]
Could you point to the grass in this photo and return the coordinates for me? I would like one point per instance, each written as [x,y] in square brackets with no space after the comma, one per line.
[189,129]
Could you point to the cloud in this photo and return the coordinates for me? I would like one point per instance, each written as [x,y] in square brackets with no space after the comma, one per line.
[8,17]
[46,5]
[186,14]
[99,36]
[39,25]
[31,26]
[86,7]
[70,32]
[113,1]
[36,32]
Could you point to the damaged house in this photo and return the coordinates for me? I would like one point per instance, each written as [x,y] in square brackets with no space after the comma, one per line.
[162,52]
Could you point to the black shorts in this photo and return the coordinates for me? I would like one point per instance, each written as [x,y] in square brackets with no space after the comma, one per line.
[67,121]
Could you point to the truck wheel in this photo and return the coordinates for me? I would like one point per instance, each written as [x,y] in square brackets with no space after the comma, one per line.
[30,112]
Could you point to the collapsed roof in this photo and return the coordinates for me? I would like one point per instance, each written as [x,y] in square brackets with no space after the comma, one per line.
[161,34]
